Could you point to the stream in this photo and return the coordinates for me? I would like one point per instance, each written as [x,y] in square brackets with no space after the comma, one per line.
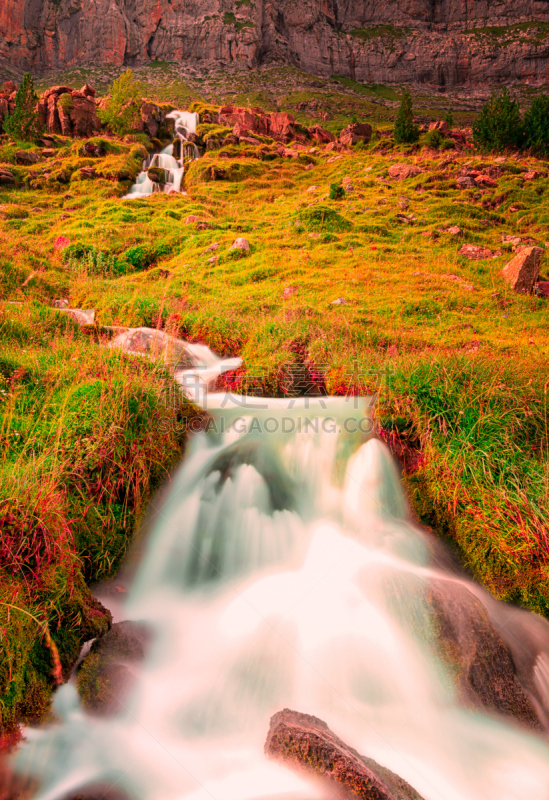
[283,570]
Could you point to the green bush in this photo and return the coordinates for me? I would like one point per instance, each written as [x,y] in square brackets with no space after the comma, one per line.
[435,139]
[123,105]
[536,125]
[499,125]
[337,192]
[449,119]
[406,131]
[24,124]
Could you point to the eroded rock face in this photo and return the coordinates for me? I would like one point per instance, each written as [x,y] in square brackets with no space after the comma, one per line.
[434,42]
[307,742]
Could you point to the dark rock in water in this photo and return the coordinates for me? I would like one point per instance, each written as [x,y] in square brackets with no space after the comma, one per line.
[157,175]
[105,675]
[482,663]
[307,742]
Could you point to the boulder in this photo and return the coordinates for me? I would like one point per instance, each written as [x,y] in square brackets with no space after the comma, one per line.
[485,180]
[305,742]
[464,636]
[26,157]
[83,115]
[87,90]
[523,271]
[152,117]
[441,126]
[248,120]
[282,127]
[474,252]
[401,172]
[9,87]
[320,134]
[6,177]
[56,91]
[240,244]
[357,132]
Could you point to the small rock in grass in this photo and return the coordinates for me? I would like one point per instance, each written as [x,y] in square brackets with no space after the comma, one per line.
[401,172]
[339,302]
[532,175]
[541,289]
[309,166]
[312,189]
[288,291]
[474,252]
[314,236]
[192,219]
[62,302]
[523,271]
[213,260]
[453,230]
[212,248]
[240,244]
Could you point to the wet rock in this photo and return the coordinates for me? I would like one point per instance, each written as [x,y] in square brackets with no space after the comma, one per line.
[306,742]
[523,271]
[106,673]
[240,244]
[157,175]
[152,117]
[357,132]
[401,172]
[474,252]
[476,654]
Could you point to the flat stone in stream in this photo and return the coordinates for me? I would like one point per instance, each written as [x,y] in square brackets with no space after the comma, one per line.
[307,742]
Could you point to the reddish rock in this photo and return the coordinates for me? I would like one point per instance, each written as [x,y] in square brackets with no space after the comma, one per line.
[56,90]
[9,87]
[282,127]
[83,116]
[305,742]
[533,175]
[246,119]
[320,134]
[88,91]
[523,271]
[541,289]
[474,252]
[27,157]
[192,218]
[401,172]
[6,177]
[485,180]
[441,126]
[152,117]
[53,124]
[357,132]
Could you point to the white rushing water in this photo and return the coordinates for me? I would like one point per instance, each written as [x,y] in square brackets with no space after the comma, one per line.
[185,123]
[283,570]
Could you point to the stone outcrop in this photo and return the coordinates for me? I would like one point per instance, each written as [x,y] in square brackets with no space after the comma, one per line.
[308,743]
[444,43]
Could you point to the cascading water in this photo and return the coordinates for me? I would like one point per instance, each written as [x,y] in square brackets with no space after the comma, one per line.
[174,168]
[284,571]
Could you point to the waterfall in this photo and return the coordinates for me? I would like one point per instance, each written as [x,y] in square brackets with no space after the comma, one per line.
[185,123]
[283,570]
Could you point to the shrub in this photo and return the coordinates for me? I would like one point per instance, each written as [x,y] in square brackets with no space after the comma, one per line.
[24,124]
[65,103]
[536,125]
[124,102]
[499,125]
[449,119]
[406,131]
[435,139]
[337,192]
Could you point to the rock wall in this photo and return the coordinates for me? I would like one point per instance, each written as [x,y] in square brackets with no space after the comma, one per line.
[428,41]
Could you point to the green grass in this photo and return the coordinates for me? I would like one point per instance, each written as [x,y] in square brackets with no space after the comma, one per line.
[86,436]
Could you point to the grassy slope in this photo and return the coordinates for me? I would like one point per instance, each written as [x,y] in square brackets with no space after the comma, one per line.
[467,368]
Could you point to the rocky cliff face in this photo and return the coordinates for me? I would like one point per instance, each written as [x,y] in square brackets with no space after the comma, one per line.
[444,43]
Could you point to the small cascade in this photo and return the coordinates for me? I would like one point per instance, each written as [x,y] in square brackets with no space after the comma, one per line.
[283,571]
[171,160]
